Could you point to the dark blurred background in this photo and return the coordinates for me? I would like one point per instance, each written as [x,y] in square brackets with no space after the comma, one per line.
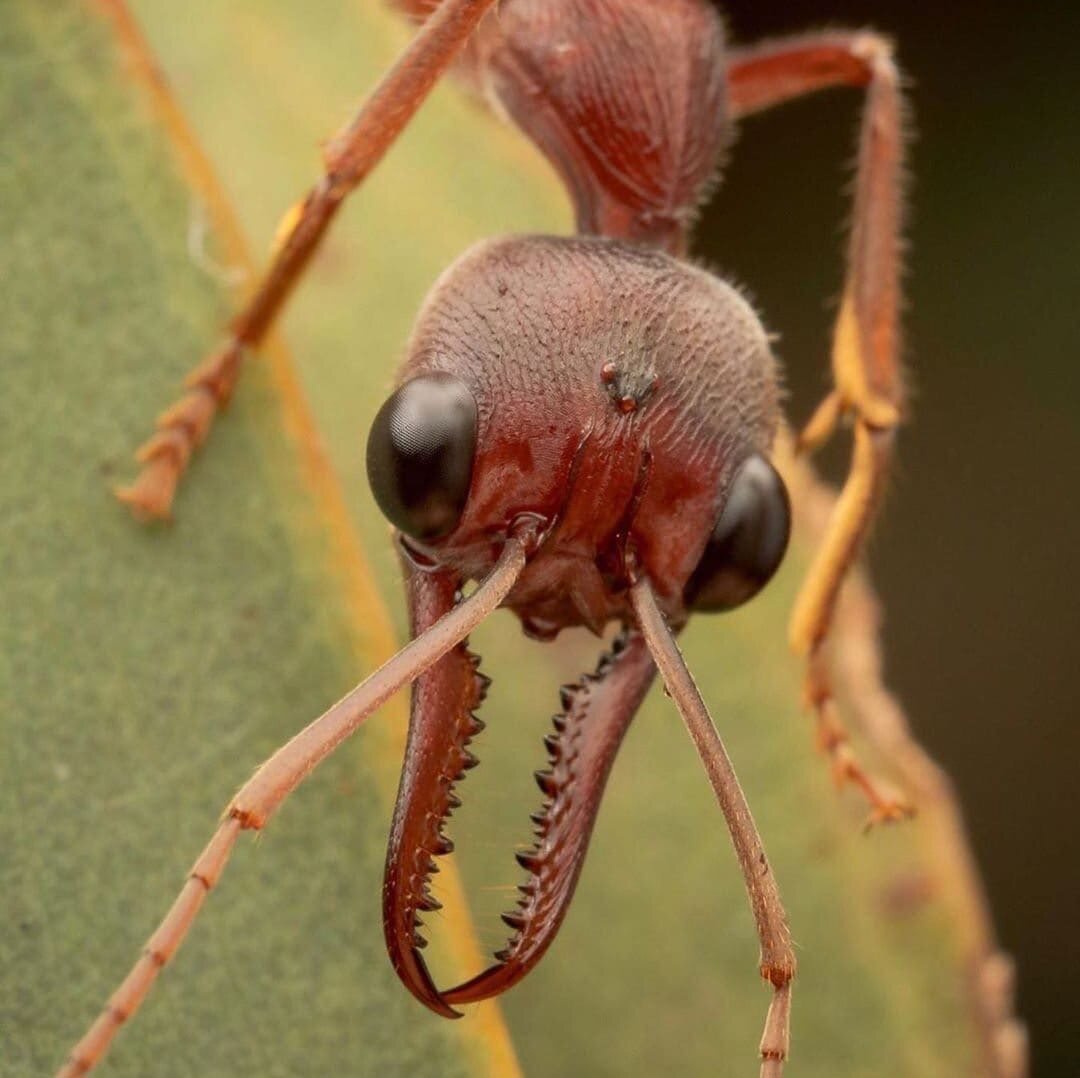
[976,558]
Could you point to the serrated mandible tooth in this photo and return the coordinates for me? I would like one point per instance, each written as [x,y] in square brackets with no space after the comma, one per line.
[546,781]
[528,859]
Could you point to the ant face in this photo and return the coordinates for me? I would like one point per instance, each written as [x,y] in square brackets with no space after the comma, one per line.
[621,398]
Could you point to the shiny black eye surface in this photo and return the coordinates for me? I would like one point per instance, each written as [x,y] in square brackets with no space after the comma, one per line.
[748,542]
[420,455]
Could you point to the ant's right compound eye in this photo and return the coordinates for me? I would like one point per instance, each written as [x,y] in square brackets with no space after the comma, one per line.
[420,455]
[748,542]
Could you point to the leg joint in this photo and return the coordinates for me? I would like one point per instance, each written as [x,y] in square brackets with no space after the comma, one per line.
[152,954]
[877,52]
[248,819]
[779,972]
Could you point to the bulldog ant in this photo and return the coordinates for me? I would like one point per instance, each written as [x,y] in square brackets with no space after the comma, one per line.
[583,426]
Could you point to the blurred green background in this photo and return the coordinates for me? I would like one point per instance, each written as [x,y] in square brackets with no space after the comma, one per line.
[976,556]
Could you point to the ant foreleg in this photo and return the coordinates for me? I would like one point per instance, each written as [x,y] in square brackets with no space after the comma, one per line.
[777,964]
[866,369]
[349,158]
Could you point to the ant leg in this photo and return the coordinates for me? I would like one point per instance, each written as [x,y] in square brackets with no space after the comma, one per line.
[777,964]
[866,370]
[349,157]
[261,795]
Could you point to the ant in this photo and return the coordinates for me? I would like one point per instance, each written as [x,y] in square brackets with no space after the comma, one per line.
[582,426]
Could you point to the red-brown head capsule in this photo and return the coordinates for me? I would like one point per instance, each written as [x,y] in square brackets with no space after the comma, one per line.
[609,390]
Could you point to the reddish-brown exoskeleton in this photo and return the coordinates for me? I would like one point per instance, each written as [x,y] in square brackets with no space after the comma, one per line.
[583,426]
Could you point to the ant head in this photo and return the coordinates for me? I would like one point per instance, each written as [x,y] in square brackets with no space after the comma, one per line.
[621,398]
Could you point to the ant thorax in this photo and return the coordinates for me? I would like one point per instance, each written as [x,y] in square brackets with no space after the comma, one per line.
[616,391]
[628,101]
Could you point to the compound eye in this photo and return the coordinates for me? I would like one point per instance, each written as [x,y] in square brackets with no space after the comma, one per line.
[748,542]
[420,455]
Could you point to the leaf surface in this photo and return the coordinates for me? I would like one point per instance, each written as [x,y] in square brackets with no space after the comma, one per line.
[144,672]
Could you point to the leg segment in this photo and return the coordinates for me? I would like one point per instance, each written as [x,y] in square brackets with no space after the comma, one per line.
[866,369]
[261,795]
[349,158]
[777,955]
[865,363]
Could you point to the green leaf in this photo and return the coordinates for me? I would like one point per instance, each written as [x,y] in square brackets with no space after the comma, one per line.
[144,672]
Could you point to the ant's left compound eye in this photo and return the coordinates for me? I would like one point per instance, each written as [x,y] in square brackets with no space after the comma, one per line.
[420,455]
[748,542]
